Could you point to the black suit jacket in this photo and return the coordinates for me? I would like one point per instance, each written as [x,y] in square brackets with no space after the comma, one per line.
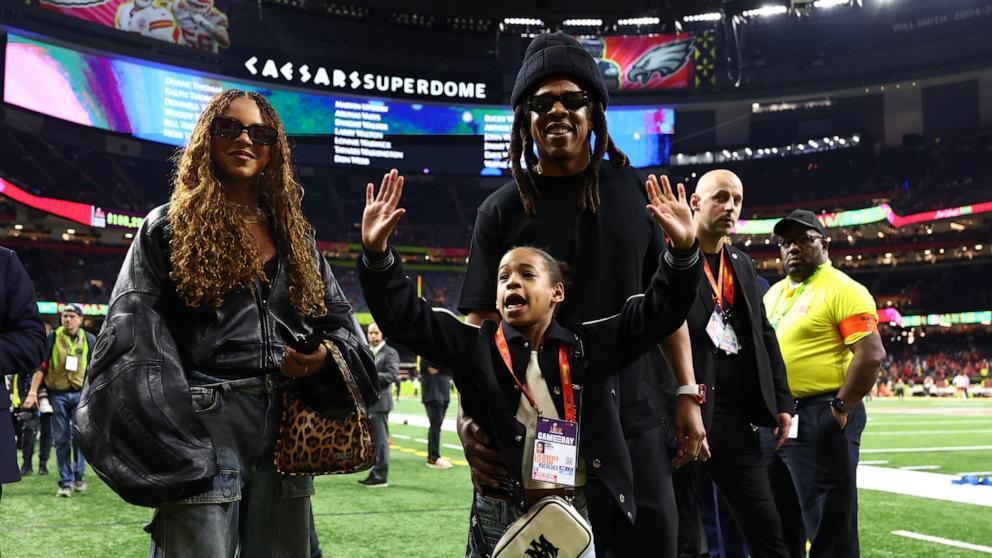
[22,342]
[767,393]
[387,364]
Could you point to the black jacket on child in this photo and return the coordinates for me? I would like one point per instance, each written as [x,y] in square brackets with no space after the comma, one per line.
[597,349]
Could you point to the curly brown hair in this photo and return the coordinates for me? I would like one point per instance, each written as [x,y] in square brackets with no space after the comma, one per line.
[212,250]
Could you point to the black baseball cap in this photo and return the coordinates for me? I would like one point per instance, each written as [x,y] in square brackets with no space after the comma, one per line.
[73,307]
[802,217]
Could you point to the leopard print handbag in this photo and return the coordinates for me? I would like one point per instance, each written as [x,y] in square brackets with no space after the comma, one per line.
[310,443]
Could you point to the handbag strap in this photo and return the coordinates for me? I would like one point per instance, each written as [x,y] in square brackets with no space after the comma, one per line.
[349,380]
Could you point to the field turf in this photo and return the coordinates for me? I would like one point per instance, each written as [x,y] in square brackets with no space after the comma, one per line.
[423,513]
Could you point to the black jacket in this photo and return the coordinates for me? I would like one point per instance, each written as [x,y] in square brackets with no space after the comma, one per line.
[22,333]
[135,418]
[434,388]
[599,349]
[22,345]
[767,393]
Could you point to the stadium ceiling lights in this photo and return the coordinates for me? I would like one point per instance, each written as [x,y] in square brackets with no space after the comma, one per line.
[825,4]
[766,11]
[748,153]
[711,16]
[587,22]
[636,21]
[523,21]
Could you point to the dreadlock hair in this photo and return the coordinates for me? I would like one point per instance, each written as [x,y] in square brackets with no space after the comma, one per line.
[212,250]
[522,145]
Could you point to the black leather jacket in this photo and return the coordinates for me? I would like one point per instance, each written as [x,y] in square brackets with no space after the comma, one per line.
[248,331]
[135,419]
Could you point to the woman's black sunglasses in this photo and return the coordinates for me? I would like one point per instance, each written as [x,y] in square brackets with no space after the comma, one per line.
[230,128]
[573,100]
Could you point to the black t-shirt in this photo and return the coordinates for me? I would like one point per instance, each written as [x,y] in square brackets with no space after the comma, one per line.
[733,372]
[612,255]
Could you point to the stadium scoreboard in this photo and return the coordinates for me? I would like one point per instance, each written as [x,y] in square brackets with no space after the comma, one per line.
[161,103]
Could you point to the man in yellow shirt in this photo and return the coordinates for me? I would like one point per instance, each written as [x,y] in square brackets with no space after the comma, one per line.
[827,329]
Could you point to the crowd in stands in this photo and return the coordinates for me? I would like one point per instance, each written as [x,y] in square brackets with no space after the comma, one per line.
[940,356]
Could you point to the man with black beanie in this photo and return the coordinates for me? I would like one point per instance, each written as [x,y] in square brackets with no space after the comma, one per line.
[592,217]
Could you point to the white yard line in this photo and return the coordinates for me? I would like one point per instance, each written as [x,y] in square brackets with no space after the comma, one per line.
[920,468]
[926,450]
[935,422]
[876,462]
[935,486]
[919,432]
[977,473]
[943,541]
[420,420]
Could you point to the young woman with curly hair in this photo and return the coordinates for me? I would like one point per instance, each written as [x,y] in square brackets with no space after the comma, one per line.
[234,271]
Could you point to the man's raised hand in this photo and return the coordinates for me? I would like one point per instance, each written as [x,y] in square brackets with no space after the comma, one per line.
[672,213]
[381,212]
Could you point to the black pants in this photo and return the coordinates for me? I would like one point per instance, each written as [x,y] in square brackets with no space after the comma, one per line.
[654,533]
[737,469]
[816,474]
[692,541]
[315,551]
[29,434]
[723,537]
[380,439]
[435,414]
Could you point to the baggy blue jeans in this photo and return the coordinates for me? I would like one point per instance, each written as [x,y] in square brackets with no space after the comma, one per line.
[252,510]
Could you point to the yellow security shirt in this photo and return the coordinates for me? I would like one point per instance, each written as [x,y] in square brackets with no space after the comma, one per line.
[815,322]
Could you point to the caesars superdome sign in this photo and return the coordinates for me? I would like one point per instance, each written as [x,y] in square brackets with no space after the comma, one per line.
[368,81]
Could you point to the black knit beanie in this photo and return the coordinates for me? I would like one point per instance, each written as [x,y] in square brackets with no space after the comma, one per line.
[558,54]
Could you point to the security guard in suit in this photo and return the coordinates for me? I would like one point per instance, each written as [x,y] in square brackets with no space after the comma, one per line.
[736,355]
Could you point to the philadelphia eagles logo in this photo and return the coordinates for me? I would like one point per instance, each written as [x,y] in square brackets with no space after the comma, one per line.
[664,60]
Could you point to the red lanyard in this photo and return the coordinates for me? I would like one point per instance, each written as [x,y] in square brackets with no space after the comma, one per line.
[726,284]
[563,368]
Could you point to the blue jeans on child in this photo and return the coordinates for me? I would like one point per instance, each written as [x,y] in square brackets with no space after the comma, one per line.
[68,456]
[252,510]
[496,515]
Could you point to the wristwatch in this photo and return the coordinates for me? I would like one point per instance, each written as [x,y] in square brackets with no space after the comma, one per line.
[696,391]
[838,403]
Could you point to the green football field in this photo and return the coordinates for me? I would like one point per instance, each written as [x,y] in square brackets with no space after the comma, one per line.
[423,512]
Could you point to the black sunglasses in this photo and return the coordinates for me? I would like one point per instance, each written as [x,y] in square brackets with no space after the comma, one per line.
[573,100]
[230,128]
[802,241]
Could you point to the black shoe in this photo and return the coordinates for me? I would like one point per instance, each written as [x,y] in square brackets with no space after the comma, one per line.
[25,471]
[373,483]
[42,471]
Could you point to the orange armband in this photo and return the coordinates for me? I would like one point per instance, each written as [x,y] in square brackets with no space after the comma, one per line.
[857,324]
